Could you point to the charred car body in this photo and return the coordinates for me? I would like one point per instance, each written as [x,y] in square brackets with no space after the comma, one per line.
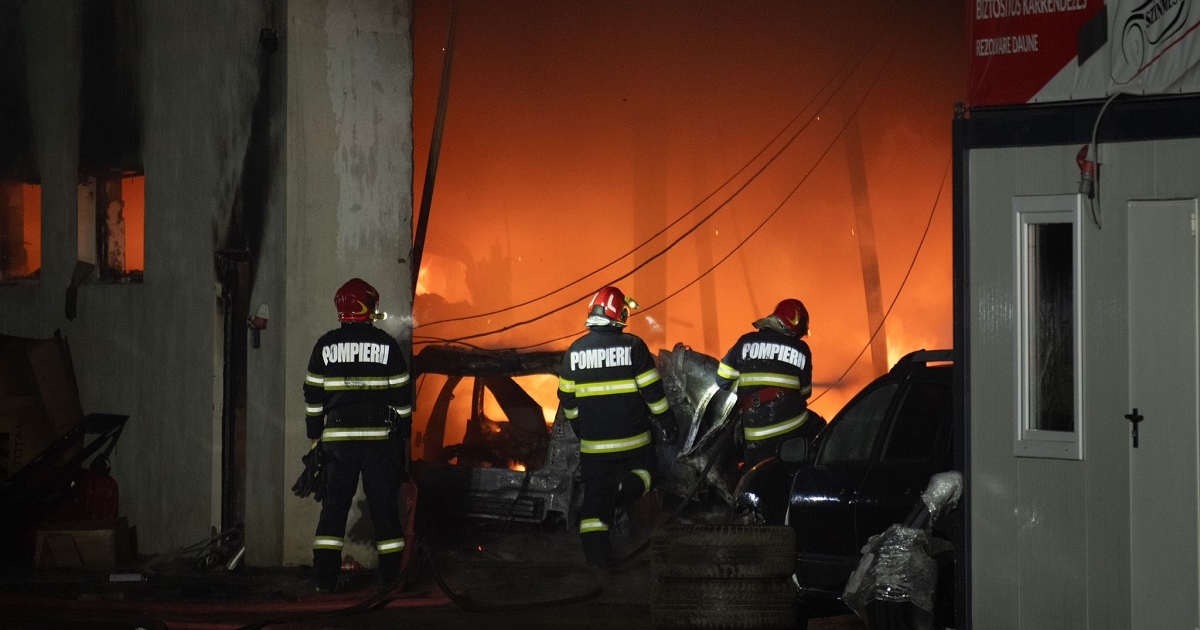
[507,464]
[514,462]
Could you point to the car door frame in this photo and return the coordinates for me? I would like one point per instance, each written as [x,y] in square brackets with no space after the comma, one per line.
[824,494]
[890,490]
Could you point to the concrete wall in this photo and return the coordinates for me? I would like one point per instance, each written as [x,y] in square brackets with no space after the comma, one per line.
[349,188]
[1051,538]
[320,172]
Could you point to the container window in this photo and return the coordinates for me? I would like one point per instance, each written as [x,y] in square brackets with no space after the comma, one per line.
[1049,327]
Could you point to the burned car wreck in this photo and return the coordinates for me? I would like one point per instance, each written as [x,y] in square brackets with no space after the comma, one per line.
[481,446]
[490,443]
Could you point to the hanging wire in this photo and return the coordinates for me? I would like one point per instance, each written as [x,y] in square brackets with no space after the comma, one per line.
[1094,150]
[899,290]
[858,357]
[831,144]
[786,198]
[827,88]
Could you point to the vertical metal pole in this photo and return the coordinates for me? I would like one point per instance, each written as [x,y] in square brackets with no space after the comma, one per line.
[865,227]
[962,358]
[235,299]
[435,149]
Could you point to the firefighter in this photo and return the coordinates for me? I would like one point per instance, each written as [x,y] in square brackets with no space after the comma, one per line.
[609,390]
[359,407]
[770,370]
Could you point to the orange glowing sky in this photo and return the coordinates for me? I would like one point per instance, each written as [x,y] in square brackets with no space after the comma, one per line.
[577,131]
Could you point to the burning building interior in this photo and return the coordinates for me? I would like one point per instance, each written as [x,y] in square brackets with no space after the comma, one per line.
[707,215]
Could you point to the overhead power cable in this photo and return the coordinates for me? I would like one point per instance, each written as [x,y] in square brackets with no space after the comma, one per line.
[691,230]
[828,87]
[779,206]
[912,263]
[662,252]
[899,289]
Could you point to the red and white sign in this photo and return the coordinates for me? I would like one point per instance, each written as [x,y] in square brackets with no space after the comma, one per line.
[1154,43]
[1033,51]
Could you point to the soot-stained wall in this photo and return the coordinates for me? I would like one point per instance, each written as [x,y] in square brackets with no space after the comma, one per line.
[275,139]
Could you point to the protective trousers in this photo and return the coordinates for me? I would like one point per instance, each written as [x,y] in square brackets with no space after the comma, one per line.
[380,464]
[608,485]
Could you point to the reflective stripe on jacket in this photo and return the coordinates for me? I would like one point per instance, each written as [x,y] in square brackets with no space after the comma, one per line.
[609,386]
[358,375]
[767,359]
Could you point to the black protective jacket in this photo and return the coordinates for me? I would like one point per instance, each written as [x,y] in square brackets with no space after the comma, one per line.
[775,367]
[357,386]
[608,388]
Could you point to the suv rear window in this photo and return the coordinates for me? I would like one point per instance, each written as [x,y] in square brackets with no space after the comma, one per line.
[926,408]
[852,436]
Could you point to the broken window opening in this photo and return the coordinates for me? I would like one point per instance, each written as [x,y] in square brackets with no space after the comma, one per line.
[488,421]
[112,213]
[20,232]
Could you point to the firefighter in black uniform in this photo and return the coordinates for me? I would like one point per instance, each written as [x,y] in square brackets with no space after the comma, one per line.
[359,406]
[609,388]
[770,370]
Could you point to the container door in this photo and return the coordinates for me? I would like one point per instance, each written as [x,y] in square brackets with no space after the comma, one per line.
[1163,391]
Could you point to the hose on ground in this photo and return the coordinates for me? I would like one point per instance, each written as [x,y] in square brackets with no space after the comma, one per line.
[678,511]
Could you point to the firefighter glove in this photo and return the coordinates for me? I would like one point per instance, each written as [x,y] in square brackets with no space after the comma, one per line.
[311,481]
[669,427]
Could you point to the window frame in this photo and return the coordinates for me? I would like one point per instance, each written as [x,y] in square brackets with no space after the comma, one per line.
[94,233]
[1028,440]
[31,232]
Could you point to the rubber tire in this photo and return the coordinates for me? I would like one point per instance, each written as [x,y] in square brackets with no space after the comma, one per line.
[723,551]
[764,604]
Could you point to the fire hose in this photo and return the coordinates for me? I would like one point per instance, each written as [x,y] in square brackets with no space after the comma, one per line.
[463,600]
[699,375]
[700,480]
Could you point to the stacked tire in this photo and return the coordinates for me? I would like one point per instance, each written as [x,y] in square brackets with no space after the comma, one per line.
[724,577]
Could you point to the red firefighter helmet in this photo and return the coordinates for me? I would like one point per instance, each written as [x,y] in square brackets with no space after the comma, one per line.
[356,301]
[793,315]
[611,304]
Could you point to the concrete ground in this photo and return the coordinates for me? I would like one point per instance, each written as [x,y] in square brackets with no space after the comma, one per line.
[485,574]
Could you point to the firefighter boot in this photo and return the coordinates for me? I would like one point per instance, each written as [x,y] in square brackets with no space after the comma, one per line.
[593,536]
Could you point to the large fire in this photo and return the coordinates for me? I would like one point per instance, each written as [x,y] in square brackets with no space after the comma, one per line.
[476,428]
[706,178]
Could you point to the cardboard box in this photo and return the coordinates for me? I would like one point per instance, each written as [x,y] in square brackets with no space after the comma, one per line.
[39,399]
[102,545]
[24,433]
[54,375]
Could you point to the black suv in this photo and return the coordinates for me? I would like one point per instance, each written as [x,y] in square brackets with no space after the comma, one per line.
[864,472]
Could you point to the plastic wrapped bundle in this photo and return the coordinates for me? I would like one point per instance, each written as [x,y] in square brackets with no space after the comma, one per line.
[895,567]
[896,578]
